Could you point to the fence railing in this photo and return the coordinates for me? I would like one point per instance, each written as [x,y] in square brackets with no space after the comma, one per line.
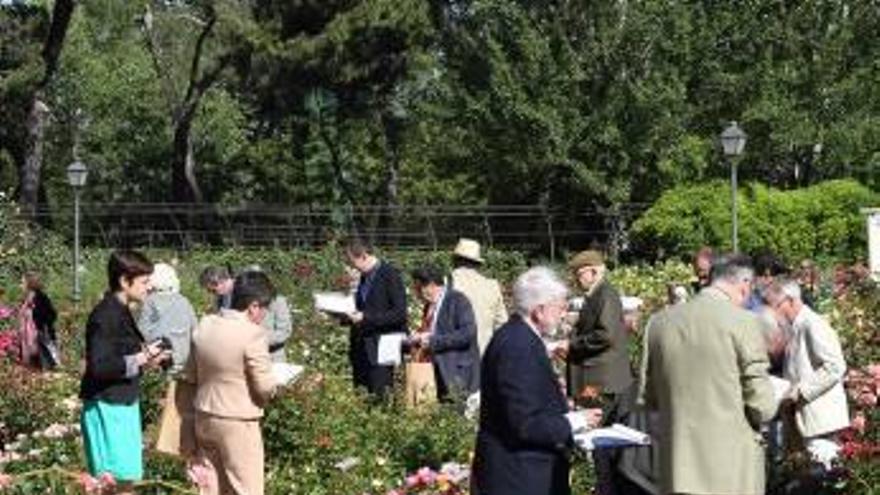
[525,227]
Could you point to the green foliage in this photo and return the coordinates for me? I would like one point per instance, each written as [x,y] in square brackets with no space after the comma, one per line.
[25,248]
[484,101]
[822,221]
[321,421]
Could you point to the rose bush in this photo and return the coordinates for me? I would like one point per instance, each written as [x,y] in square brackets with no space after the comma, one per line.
[321,436]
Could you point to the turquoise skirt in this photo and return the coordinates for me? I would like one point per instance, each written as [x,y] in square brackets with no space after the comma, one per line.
[113,440]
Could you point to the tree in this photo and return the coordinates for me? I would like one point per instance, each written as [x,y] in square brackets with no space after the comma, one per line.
[36,78]
[206,64]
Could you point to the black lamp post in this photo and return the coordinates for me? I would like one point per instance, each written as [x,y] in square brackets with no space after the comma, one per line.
[77,173]
[733,141]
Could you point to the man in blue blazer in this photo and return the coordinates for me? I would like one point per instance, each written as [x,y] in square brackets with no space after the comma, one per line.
[525,425]
[448,334]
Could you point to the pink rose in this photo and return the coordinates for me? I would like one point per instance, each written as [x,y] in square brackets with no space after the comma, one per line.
[88,483]
[426,475]
[107,480]
[6,312]
[413,481]
[5,481]
[867,399]
[859,423]
[393,492]
[874,371]
[200,474]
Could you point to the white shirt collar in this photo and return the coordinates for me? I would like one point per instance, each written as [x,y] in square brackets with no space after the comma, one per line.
[437,306]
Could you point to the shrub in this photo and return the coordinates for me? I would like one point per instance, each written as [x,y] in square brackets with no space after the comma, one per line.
[822,221]
[24,248]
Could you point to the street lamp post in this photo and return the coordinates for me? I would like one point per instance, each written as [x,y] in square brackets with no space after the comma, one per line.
[733,141]
[76,177]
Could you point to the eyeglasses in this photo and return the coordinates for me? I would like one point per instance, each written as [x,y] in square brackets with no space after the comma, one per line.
[778,304]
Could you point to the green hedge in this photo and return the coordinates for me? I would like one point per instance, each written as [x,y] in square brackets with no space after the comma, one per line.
[822,221]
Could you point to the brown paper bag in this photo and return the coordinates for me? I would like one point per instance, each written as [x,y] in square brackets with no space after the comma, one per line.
[176,428]
[421,388]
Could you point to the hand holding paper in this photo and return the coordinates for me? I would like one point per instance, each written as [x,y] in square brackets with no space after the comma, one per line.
[616,435]
[390,346]
[335,303]
[285,373]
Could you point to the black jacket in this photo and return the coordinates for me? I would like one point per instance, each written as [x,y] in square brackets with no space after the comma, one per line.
[454,349]
[44,316]
[111,334]
[384,310]
[524,438]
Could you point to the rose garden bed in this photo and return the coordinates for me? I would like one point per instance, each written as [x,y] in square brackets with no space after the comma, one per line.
[321,436]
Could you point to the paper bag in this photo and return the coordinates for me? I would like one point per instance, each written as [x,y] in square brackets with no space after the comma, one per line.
[421,388]
[176,426]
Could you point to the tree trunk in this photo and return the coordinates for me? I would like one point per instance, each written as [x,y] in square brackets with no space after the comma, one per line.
[184,185]
[38,113]
[29,174]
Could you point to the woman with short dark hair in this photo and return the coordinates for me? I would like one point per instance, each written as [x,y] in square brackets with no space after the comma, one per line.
[229,375]
[116,355]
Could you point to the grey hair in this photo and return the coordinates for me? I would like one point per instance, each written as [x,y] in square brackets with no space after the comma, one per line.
[782,288]
[213,275]
[538,285]
[734,268]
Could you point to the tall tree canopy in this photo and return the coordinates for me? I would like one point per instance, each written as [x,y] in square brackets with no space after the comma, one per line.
[386,102]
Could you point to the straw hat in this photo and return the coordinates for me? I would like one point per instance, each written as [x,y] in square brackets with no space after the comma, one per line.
[468,249]
[586,258]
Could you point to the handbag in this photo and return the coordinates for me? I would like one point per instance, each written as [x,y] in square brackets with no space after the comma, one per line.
[421,386]
[176,426]
[50,358]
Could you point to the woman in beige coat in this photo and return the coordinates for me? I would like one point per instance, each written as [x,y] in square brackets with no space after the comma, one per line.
[231,373]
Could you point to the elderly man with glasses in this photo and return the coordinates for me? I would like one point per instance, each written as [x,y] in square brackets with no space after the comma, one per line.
[814,365]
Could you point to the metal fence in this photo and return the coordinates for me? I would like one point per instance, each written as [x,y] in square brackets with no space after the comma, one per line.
[183,226]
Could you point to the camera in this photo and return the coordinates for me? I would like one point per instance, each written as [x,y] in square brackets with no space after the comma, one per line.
[164,344]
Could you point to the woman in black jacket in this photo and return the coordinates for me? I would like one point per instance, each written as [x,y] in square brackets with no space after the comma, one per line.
[116,354]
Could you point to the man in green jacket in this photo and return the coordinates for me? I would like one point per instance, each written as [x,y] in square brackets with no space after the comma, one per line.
[706,377]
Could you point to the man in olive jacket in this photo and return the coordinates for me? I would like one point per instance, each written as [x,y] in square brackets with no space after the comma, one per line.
[598,356]
[706,377]
[597,349]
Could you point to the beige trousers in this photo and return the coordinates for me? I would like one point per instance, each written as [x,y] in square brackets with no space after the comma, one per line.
[233,452]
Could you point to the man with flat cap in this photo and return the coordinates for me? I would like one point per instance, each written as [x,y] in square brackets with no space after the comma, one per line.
[483,293]
[597,355]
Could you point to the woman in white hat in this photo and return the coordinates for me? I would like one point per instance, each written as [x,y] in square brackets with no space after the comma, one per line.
[168,314]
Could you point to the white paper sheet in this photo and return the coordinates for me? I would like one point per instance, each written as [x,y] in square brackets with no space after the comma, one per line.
[780,388]
[553,345]
[389,353]
[334,302]
[616,435]
[286,373]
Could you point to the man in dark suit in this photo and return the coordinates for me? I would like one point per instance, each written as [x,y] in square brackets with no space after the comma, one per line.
[525,426]
[381,309]
[448,334]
